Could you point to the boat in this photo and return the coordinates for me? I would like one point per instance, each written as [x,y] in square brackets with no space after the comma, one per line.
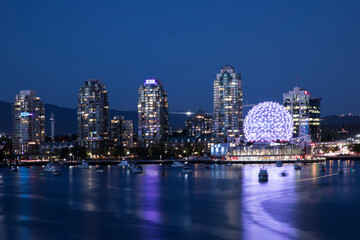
[34,167]
[297,166]
[50,167]
[229,164]
[177,164]
[263,175]
[283,173]
[341,170]
[84,165]
[186,169]
[13,168]
[57,172]
[322,168]
[123,163]
[279,163]
[207,166]
[99,169]
[136,169]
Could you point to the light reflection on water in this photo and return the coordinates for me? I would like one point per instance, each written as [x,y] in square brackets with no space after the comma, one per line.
[162,203]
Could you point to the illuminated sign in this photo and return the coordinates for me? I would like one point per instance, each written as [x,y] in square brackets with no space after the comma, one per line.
[25,114]
[151,81]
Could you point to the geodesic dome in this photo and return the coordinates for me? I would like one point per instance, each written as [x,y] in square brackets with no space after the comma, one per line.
[268,121]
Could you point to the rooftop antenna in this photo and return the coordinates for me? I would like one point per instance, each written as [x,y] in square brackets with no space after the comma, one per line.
[296,86]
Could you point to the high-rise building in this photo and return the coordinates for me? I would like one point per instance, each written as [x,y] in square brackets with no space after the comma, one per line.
[28,122]
[128,134]
[121,132]
[93,115]
[305,111]
[227,105]
[153,124]
[199,125]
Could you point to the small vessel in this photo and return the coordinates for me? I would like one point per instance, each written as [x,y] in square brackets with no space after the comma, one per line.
[57,172]
[279,163]
[123,163]
[177,164]
[34,167]
[186,169]
[341,170]
[297,166]
[136,169]
[322,168]
[229,164]
[50,167]
[84,165]
[207,166]
[99,169]
[283,174]
[263,175]
[13,168]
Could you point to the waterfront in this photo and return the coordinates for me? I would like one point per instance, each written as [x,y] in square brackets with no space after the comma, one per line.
[162,203]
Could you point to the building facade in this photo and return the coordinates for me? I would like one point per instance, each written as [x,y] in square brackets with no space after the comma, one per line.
[199,125]
[305,111]
[121,132]
[93,115]
[227,105]
[28,114]
[153,123]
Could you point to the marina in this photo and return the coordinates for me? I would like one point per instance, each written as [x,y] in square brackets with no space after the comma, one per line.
[230,201]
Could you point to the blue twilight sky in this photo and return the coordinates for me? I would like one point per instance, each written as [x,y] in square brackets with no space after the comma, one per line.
[53,46]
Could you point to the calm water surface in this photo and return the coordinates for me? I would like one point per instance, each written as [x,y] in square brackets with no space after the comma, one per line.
[218,203]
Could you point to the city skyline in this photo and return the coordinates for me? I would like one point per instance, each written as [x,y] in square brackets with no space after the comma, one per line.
[270,48]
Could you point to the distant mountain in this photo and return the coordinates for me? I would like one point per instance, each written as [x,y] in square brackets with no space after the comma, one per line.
[342,120]
[66,118]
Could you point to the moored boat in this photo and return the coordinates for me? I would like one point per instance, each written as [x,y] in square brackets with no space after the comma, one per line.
[136,169]
[186,169]
[84,165]
[123,163]
[50,167]
[263,175]
[177,164]
[297,166]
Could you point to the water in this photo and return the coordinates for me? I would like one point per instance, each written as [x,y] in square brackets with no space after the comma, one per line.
[218,203]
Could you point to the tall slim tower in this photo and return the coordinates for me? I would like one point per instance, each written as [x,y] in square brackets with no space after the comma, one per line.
[28,122]
[93,115]
[153,124]
[227,105]
[305,111]
[52,120]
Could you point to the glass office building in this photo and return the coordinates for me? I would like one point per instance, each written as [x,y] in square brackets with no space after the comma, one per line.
[305,111]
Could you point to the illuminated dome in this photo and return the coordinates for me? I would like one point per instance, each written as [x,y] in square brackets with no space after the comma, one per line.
[268,121]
